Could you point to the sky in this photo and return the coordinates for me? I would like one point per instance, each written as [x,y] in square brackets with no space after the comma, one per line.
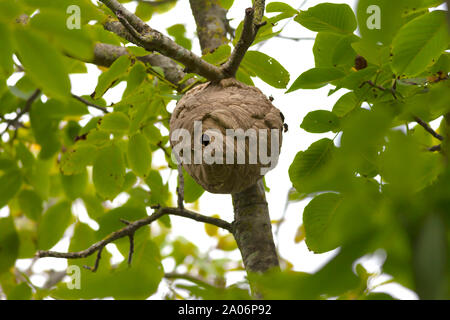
[296,57]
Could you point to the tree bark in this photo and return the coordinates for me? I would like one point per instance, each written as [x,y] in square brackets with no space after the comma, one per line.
[252,229]
[212,24]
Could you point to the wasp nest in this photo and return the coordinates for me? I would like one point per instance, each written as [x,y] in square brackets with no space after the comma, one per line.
[226,134]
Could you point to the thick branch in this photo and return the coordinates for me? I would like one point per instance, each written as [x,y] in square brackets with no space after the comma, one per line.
[130,229]
[153,40]
[252,229]
[212,23]
[252,23]
[106,54]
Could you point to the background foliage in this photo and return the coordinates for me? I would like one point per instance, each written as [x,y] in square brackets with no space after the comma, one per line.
[376,185]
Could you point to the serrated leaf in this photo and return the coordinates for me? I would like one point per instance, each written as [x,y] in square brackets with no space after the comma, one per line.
[320,121]
[139,155]
[316,78]
[419,44]
[107,78]
[42,62]
[109,172]
[9,244]
[266,68]
[328,17]
[226,4]
[53,224]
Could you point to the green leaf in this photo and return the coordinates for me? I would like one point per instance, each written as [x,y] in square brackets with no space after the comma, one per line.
[316,78]
[328,17]
[93,206]
[139,155]
[138,282]
[431,265]
[83,237]
[137,75]
[9,244]
[266,68]
[75,184]
[6,60]
[192,190]
[110,221]
[42,62]
[109,172]
[115,122]
[45,129]
[218,56]
[20,292]
[159,191]
[309,163]
[10,183]
[419,44]
[178,31]
[53,224]
[30,203]
[320,121]
[346,104]
[75,160]
[324,47]
[372,52]
[280,7]
[317,218]
[109,77]
[226,4]
[75,42]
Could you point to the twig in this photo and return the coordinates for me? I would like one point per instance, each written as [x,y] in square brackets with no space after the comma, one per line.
[252,23]
[97,260]
[130,229]
[435,148]
[90,104]
[428,128]
[180,188]
[188,277]
[25,109]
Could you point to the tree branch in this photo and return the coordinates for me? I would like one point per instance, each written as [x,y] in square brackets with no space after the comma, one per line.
[428,128]
[252,23]
[25,109]
[90,104]
[129,230]
[106,54]
[153,40]
[212,24]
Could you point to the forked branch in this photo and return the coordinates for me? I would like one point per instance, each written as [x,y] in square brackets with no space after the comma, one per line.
[129,230]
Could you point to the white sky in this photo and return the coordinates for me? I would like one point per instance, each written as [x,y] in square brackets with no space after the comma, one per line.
[296,57]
